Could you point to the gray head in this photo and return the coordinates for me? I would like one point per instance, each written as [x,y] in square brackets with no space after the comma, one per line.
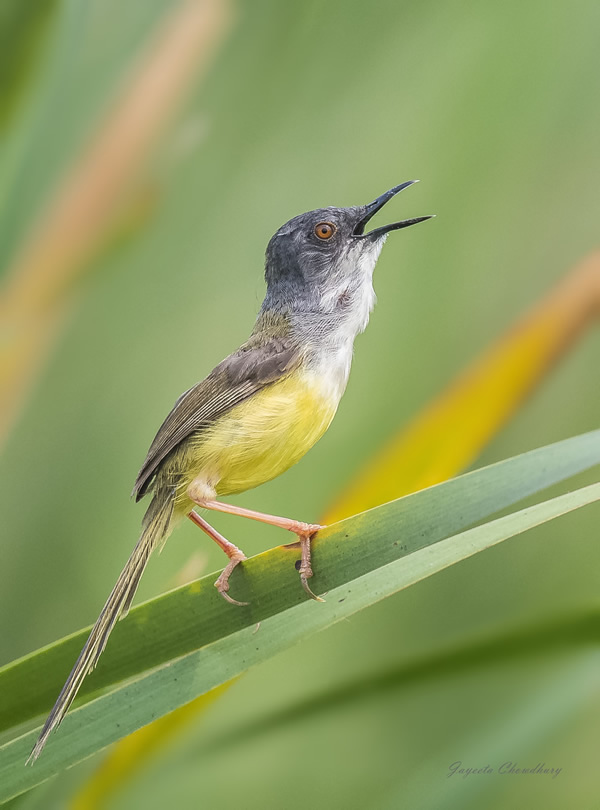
[322,261]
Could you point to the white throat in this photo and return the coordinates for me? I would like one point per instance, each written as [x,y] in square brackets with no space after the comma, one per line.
[347,308]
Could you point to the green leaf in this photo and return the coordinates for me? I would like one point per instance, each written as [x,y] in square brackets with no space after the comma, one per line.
[537,716]
[560,633]
[203,641]
[192,616]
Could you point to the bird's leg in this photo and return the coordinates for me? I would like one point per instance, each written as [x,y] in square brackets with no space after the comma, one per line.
[304,531]
[296,526]
[233,552]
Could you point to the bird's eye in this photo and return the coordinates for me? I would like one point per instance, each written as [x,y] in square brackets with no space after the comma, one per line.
[325,230]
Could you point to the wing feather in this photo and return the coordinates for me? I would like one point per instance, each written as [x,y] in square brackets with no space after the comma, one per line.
[255,364]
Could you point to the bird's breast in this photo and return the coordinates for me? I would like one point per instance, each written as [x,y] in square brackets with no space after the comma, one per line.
[329,369]
[266,434]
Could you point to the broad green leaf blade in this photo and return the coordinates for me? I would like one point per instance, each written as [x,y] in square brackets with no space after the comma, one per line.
[191,617]
[125,758]
[102,721]
[560,634]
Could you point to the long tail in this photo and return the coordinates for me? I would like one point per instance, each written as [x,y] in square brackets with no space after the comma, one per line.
[155,530]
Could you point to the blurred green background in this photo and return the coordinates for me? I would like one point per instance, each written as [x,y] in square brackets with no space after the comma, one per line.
[494,108]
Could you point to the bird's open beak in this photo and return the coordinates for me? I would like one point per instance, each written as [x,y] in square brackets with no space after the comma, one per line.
[371,209]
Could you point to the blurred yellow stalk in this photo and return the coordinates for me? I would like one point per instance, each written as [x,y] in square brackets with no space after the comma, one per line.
[78,217]
[441,441]
[449,433]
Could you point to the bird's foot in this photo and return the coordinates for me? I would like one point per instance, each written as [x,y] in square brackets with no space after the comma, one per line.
[222,583]
[305,533]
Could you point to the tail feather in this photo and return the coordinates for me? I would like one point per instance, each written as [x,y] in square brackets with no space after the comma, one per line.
[158,520]
[155,530]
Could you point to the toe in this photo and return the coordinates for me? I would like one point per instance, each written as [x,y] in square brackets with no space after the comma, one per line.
[308,590]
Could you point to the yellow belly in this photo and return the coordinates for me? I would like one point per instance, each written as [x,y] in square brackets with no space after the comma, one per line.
[259,438]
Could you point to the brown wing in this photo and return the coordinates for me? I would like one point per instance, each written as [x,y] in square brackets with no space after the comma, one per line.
[256,364]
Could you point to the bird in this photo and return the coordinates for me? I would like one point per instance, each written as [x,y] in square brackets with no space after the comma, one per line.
[259,410]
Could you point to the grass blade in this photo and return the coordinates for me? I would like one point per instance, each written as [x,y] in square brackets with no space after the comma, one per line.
[403,534]
[112,716]
[188,618]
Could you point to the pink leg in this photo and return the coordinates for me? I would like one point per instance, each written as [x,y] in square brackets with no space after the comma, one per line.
[295,526]
[304,531]
[233,552]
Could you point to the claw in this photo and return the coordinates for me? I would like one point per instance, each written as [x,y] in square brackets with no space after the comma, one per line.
[222,583]
[308,590]
[230,599]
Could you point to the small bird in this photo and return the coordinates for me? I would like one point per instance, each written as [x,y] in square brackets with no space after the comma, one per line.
[261,409]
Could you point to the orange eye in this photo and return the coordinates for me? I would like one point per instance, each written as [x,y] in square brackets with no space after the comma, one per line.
[325,230]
